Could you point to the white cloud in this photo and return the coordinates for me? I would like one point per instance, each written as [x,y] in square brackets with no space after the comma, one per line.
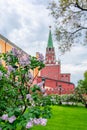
[29,22]
[75,62]
[23,20]
[76,55]
[76,71]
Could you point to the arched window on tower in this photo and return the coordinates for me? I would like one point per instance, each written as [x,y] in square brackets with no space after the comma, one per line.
[49,49]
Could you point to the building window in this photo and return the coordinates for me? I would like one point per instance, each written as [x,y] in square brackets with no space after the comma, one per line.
[67,79]
[0,48]
[49,49]
[49,61]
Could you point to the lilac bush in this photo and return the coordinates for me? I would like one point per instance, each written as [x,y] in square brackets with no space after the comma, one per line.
[21,101]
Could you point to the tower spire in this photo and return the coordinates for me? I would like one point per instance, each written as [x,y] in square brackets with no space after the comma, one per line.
[50,51]
[50,41]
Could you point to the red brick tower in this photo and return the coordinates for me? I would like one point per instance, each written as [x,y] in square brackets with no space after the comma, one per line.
[55,81]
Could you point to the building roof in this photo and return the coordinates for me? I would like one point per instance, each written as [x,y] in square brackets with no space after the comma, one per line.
[50,41]
[55,80]
[10,43]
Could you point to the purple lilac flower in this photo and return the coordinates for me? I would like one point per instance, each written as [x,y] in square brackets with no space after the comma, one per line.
[36,121]
[21,61]
[29,124]
[30,81]
[24,60]
[1,74]
[40,84]
[40,57]
[20,54]
[11,119]
[29,76]
[28,96]
[39,121]
[27,59]
[10,68]
[42,90]
[45,94]
[4,117]
[15,51]
[43,121]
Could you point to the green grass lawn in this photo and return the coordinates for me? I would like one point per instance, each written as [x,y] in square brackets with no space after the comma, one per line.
[66,118]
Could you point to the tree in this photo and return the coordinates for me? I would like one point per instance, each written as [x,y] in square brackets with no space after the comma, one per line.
[83,83]
[81,90]
[70,17]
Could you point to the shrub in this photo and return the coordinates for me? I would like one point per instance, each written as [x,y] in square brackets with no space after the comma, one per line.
[20,99]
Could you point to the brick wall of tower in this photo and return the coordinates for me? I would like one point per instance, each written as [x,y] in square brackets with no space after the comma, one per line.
[53,86]
[65,77]
[51,71]
[50,56]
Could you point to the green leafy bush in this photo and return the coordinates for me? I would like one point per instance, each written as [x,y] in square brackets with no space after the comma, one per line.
[20,99]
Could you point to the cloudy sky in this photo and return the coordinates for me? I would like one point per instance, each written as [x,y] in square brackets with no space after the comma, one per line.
[26,23]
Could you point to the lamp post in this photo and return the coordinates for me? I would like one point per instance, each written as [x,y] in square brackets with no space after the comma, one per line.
[60,89]
[43,90]
[43,79]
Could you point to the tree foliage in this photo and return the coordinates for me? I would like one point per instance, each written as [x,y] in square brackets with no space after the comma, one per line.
[83,83]
[70,17]
[81,89]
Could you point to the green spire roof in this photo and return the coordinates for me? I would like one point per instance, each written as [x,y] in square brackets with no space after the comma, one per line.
[50,41]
